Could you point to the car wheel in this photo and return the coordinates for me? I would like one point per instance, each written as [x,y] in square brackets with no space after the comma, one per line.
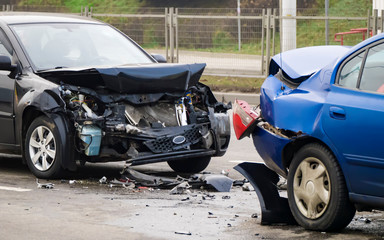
[317,193]
[190,165]
[43,148]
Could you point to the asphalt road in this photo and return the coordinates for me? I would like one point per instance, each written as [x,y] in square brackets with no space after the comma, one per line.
[90,210]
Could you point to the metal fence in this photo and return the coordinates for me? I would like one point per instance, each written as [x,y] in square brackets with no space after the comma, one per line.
[229,41]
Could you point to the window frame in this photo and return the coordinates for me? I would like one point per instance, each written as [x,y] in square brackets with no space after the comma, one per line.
[362,67]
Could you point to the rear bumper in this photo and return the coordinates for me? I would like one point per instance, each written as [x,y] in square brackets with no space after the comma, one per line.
[270,147]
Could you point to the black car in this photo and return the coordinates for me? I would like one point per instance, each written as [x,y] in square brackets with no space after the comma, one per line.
[74,88]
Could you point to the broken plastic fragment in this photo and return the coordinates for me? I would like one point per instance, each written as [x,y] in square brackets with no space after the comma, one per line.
[103,180]
[219,182]
[248,187]
[44,185]
[184,233]
[180,189]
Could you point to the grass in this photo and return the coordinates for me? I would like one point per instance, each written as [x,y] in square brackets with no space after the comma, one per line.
[232,84]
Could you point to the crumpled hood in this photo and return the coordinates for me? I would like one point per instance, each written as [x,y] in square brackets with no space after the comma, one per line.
[132,79]
[302,62]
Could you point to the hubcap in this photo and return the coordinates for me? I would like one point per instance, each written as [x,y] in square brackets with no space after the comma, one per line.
[42,148]
[311,188]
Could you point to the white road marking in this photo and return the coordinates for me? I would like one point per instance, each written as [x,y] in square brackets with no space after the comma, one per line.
[236,161]
[15,189]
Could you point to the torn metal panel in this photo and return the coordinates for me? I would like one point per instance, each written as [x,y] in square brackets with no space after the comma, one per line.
[274,209]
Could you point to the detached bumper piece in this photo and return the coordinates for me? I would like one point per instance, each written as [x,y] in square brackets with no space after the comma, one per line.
[274,209]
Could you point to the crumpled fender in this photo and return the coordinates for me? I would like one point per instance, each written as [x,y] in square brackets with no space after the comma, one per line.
[47,101]
[66,131]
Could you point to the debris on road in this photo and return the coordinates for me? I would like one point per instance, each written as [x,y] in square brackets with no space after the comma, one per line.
[125,183]
[225,172]
[184,233]
[103,180]
[220,182]
[239,183]
[44,185]
[363,219]
[182,188]
[208,197]
[141,179]
[247,187]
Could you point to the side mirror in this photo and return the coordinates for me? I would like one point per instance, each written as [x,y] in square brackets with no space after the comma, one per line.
[159,58]
[6,63]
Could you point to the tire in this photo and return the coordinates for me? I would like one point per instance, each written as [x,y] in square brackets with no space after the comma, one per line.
[190,165]
[43,149]
[317,193]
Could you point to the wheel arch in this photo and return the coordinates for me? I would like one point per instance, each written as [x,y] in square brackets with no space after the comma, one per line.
[64,127]
[293,147]
[29,114]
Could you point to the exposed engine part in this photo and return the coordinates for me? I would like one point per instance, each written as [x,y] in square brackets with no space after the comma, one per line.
[132,129]
[91,137]
[181,113]
[115,119]
[151,115]
[89,112]
[120,127]
[207,140]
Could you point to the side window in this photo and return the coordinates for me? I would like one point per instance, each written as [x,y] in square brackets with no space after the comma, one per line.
[350,72]
[372,78]
[5,46]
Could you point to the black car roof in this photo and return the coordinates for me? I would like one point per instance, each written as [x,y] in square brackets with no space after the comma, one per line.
[25,17]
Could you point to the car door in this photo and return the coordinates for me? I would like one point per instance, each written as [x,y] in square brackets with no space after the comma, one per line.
[353,119]
[7,89]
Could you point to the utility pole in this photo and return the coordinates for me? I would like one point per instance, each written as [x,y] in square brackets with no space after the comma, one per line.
[288,8]
[239,24]
[326,23]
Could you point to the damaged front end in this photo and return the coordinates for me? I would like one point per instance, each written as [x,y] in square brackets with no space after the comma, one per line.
[143,114]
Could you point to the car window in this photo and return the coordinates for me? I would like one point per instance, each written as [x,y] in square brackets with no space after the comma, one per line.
[63,45]
[5,47]
[350,72]
[372,78]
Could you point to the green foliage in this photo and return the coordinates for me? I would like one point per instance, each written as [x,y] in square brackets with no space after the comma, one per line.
[222,39]
[75,5]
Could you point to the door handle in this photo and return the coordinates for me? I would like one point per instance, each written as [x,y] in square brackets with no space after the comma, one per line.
[337,113]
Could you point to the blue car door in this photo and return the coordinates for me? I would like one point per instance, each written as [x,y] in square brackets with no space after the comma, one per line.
[353,119]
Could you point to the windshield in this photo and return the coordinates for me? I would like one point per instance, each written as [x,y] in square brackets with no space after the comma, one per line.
[64,45]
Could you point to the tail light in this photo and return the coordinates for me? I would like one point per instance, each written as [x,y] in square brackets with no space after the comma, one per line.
[244,118]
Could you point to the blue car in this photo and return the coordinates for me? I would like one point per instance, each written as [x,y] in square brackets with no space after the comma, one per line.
[320,125]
